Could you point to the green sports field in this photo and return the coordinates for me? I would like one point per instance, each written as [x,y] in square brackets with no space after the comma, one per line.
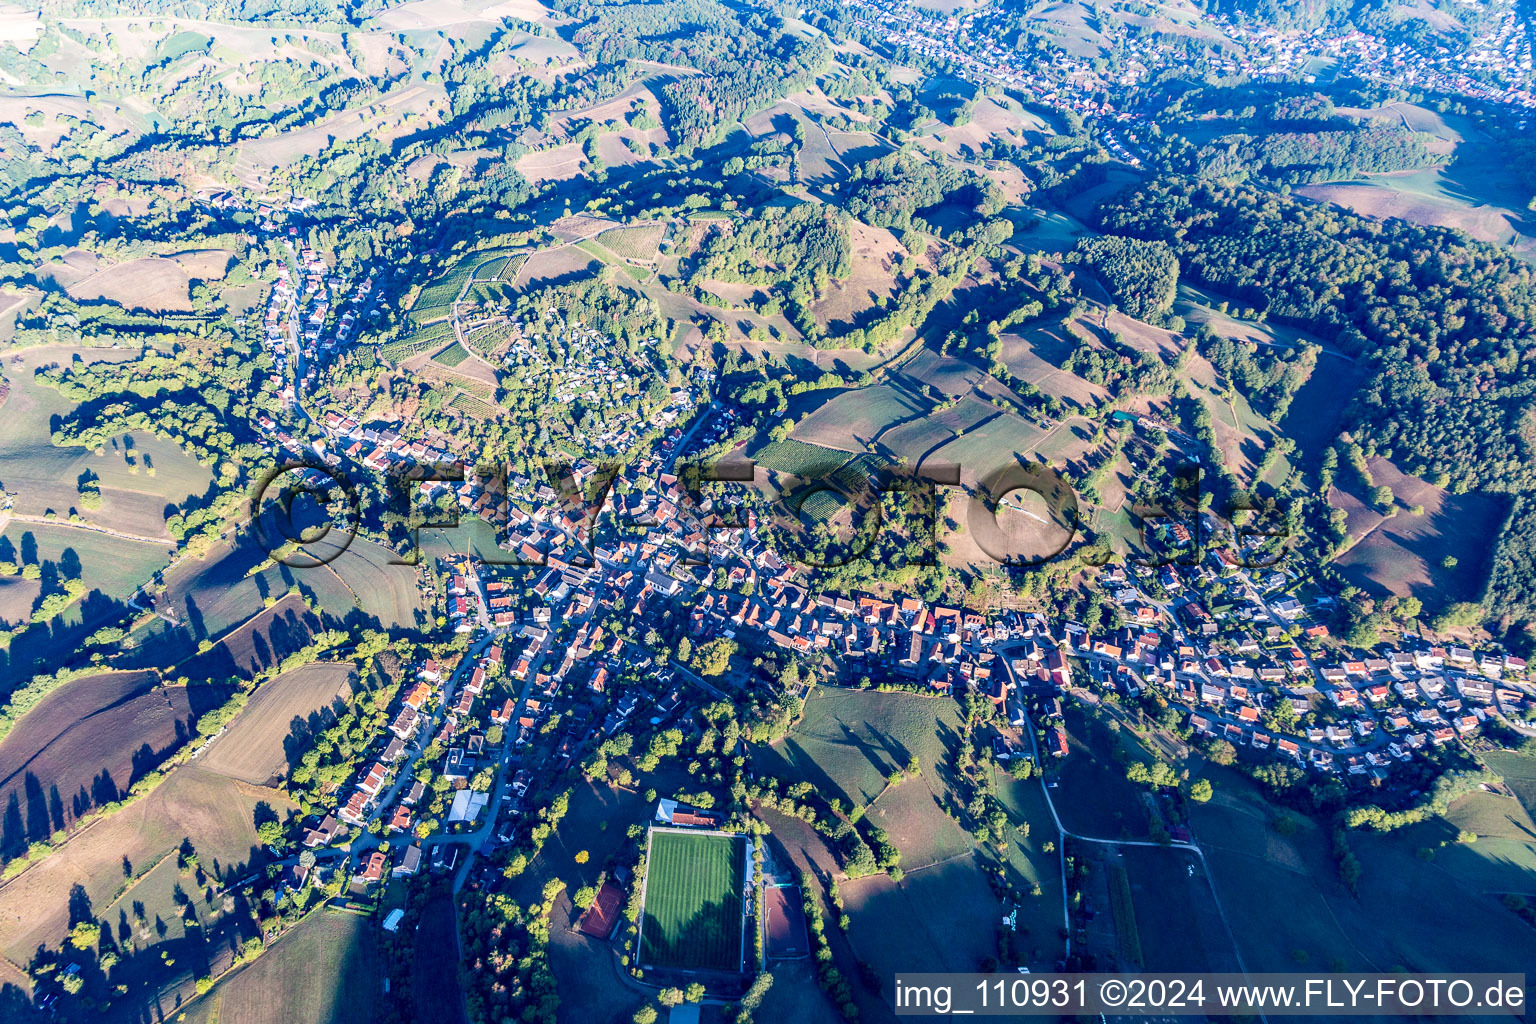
[693,909]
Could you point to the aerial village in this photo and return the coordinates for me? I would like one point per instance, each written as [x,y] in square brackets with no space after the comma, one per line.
[1233,649]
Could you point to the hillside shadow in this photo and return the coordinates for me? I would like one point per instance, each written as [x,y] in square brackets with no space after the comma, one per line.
[47,647]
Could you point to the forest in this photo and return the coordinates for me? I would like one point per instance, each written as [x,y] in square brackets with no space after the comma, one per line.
[1445,322]
[799,249]
[748,63]
[1298,158]
[898,190]
[1142,276]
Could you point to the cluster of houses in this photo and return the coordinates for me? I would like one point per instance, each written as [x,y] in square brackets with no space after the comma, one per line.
[569,362]
[1213,637]
[1497,66]
[549,662]
[1227,653]
[312,311]
[429,708]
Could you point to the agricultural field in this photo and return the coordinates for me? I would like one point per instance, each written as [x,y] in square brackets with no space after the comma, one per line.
[451,356]
[43,477]
[215,813]
[1519,774]
[852,419]
[556,163]
[876,257]
[326,968]
[1178,925]
[693,901]
[912,814]
[991,446]
[436,298]
[111,568]
[609,258]
[849,741]
[471,406]
[1094,798]
[992,120]
[798,458]
[254,748]
[486,340]
[1027,865]
[154,284]
[641,242]
[86,743]
[1477,191]
[257,644]
[383,120]
[423,339]
[1317,412]
[1035,354]
[916,440]
[553,266]
[491,269]
[943,917]
[1280,890]
[818,161]
[435,986]
[209,598]
[1405,553]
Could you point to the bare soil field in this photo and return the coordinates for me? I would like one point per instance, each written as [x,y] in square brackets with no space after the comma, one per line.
[876,255]
[992,119]
[946,373]
[854,148]
[1403,555]
[1033,355]
[1415,196]
[254,748]
[214,812]
[557,163]
[151,283]
[85,743]
[553,266]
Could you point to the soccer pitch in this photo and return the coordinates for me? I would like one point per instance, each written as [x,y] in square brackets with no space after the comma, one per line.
[693,910]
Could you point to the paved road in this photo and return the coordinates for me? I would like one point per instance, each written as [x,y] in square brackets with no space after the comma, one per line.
[1068,833]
